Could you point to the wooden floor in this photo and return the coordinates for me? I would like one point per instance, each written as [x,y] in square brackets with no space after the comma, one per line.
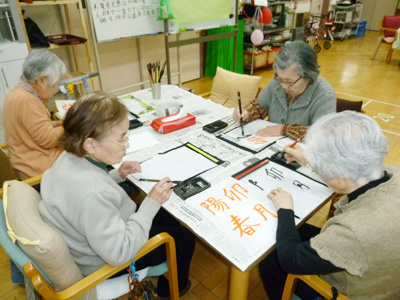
[354,76]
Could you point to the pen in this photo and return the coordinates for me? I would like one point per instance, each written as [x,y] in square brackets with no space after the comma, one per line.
[157,180]
[240,111]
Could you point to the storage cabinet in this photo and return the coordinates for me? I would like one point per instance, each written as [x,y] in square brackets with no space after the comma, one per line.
[79,67]
[347,19]
[275,33]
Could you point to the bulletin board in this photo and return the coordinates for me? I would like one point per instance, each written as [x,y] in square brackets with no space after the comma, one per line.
[115,20]
[199,15]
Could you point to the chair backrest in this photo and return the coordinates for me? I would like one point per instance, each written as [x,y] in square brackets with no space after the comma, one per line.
[390,22]
[38,240]
[343,104]
[226,84]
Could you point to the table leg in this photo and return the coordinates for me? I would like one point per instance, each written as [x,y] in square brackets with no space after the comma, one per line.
[238,284]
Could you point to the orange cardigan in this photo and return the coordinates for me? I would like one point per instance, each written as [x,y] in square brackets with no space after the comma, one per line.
[32,140]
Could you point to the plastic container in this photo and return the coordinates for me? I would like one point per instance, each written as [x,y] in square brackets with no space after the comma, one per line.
[361,32]
[362,24]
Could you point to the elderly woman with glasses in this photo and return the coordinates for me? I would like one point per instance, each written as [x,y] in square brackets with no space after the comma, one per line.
[31,135]
[296,97]
[358,250]
[83,202]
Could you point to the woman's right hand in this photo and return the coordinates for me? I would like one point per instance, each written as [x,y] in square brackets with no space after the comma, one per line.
[295,153]
[236,114]
[161,191]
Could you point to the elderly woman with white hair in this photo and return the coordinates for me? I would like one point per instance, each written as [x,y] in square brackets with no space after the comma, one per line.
[296,97]
[358,250]
[31,135]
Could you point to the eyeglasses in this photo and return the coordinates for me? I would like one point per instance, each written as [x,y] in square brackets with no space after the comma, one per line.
[124,142]
[287,83]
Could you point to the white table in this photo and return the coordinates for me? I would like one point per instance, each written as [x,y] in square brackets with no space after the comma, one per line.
[236,160]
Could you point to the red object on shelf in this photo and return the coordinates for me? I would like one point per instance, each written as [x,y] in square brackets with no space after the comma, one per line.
[65,39]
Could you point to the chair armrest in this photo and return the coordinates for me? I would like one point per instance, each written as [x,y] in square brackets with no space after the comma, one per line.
[105,272]
[314,281]
[33,180]
[389,29]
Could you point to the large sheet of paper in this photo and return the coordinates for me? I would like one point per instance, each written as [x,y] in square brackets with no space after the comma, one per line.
[238,219]
[306,193]
[251,141]
[178,164]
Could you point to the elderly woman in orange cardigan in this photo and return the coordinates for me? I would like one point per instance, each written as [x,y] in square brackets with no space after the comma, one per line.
[31,135]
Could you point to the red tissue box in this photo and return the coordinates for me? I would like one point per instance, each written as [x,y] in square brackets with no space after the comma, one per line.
[167,127]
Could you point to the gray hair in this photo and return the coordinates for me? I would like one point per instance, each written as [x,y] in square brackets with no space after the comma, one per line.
[346,145]
[43,62]
[301,55]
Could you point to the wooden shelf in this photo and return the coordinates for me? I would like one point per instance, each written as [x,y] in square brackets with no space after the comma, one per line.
[276,29]
[268,42]
[49,2]
[65,4]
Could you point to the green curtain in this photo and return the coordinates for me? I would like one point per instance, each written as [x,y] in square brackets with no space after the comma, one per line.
[220,52]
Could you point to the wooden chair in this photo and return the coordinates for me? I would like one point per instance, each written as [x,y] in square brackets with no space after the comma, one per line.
[342,105]
[315,282]
[387,34]
[44,257]
[7,172]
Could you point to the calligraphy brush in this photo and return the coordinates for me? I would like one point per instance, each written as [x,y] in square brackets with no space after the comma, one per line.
[153,66]
[241,118]
[157,180]
[298,140]
[162,70]
[159,70]
[150,72]
[240,110]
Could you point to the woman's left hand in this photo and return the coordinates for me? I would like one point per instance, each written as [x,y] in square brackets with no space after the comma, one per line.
[274,130]
[129,167]
[281,199]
